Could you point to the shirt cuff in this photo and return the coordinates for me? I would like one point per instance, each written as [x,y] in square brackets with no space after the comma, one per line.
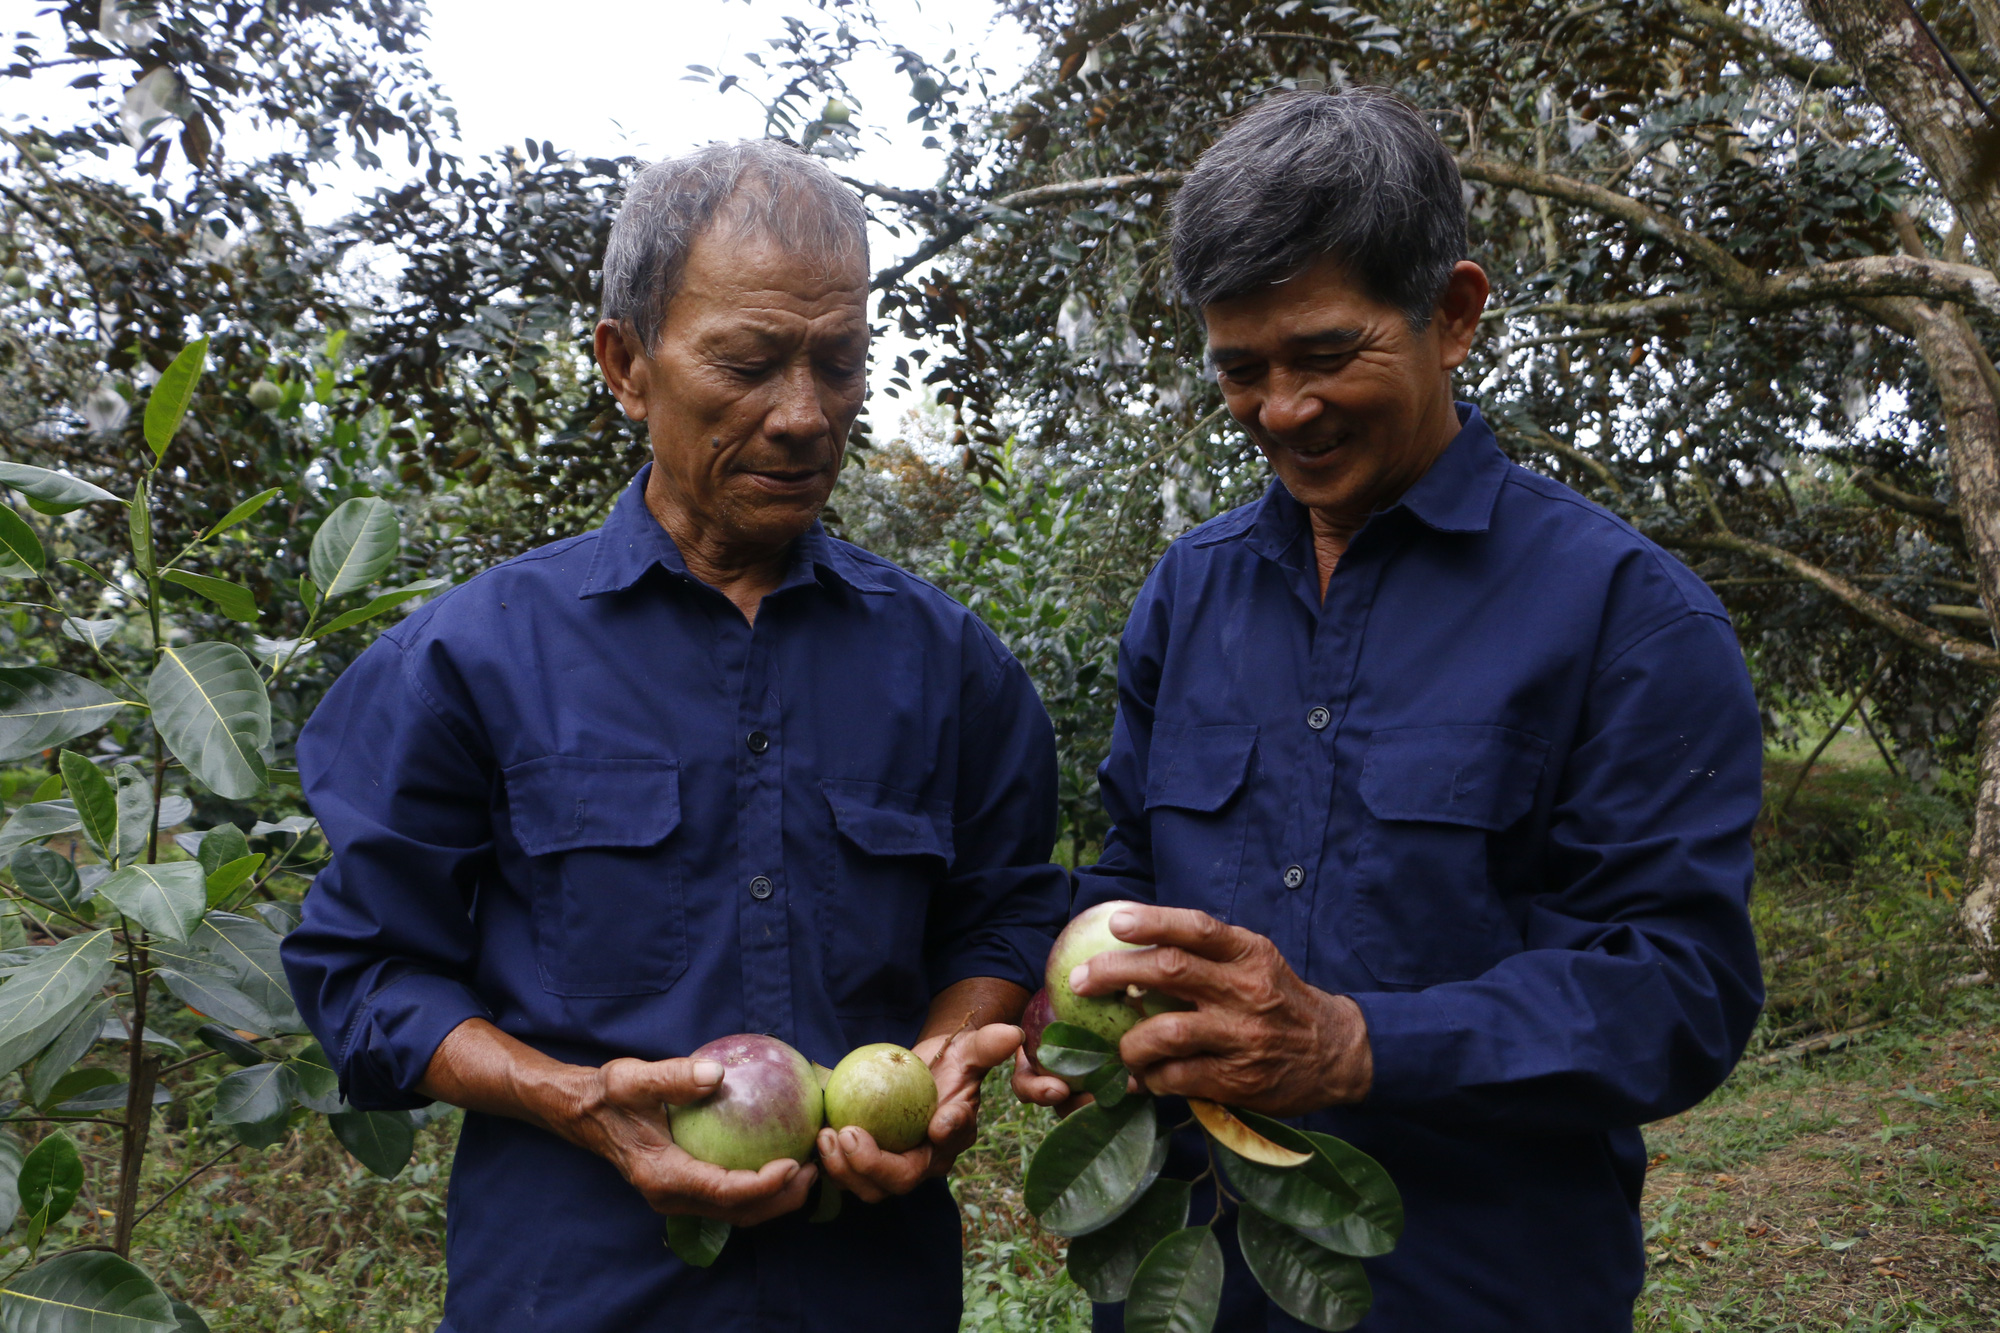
[1018,954]
[390,1049]
[1414,1044]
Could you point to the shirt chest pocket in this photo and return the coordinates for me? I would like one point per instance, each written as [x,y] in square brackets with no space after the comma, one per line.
[599,835]
[1193,777]
[1425,909]
[891,850]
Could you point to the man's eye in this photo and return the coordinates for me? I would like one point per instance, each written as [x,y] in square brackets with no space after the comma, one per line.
[1236,374]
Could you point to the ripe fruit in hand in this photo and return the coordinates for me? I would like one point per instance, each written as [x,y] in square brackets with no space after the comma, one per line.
[885,1090]
[1109,1016]
[769,1106]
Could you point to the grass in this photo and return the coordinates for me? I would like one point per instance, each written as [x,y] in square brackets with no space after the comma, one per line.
[1857,1189]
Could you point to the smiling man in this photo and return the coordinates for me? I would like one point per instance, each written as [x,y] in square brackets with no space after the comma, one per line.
[703,771]
[1436,780]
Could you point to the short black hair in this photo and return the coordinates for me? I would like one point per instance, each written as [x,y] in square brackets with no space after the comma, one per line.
[1358,175]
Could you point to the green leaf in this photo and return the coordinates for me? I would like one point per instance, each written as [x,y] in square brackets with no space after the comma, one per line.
[319,1085]
[1070,1035]
[260,1135]
[254,1095]
[39,1001]
[57,492]
[190,1320]
[237,602]
[41,707]
[36,822]
[230,970]
[87,1291]
[376,606]
[382,1141]
[139,523]
[49,879]
[50,788]
[232,877]
[697,1240]
[355,545]
[246,510]
[71,1044]
[1311,1194]
[95,800]
[135,811]
[11,1154]
[168,403]
[219,1038]
[1376,1223]
[210,706]
[1092,1166]
[1178,1288]
[21,553]
[221,845]
[1311,1284]
[96,633]
[77,1085]
[1103,1262]
[166,899]
[51,1175]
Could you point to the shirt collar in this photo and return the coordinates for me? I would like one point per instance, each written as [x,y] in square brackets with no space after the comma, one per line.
[632,542]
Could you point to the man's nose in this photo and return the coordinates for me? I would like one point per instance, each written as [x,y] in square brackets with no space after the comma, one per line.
[1287,407]
[799,416]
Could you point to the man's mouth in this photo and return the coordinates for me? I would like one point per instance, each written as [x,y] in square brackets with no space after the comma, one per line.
[1316,448]
[784,479]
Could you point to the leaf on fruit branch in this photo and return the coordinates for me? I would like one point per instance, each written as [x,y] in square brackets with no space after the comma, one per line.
[382,1141]
[1311,1284]
[1178,1288]
[697,1240]
[1093,1166]
[1103,1261]
[1376,1223]
[1225,1127]
[1312,1194]
[41,707]
[211,708]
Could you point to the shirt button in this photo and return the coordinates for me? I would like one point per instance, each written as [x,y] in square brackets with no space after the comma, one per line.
[1318,718]
[758,742]
[1294,876]
[760,888]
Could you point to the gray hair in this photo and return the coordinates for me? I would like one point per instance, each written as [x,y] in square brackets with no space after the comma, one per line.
[1357,175]
[755,186]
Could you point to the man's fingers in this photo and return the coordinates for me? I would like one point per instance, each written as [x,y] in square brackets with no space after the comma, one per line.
[964,1063]
[1183,927]
[1168,969]
[648,1083]
[854,1161]
[1037,1089]
[1175,1036]
[789,1199]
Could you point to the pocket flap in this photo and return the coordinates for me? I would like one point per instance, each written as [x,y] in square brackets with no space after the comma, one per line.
[562,802]
[885,822]
[1480,776]
[1198,768]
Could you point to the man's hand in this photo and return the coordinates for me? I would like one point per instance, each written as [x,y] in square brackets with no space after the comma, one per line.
[854,1162]
[1045,1089]
[1259,1038]
[618,1112]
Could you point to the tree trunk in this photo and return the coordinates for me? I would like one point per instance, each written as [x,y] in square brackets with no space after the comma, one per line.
[1938,120]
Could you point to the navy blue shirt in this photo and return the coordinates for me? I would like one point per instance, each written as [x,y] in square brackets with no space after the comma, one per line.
[1499,788]
[582,797]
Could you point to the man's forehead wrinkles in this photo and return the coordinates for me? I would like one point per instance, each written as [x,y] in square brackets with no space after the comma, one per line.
[1317,339]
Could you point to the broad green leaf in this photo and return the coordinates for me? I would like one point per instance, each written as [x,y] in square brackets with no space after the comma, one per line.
[221,845]
[376,606]
[50,788]
[135,810]
[139,523]
[219,1038]
[86,1291]
[57,492]
[1178,1288]
[246,510]
[95,800]
[1103,1261]
[1376,1223]
[86,569]
[237,602]
[697,1240]
[88,1087]
[39,1001]
[264,1133]
[319,1085]
[1311,1284]
[51,1175]
[230,971]
[354,547]
[382,1141]
[21,553]
[49,879]
[36,822]
[1092,1166]
[166,899]
[210,706]
[11,1155]
[1309,1195]
[168,403]
[254,1095]
[96,633]
[71,1044]
[189,1319]
[41,707]
[226,881]
[1070,1035]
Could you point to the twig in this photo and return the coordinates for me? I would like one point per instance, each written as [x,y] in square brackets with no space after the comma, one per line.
[1799,780]
[184,1181]
[963,1024]
[1824,1042]
[1881,748]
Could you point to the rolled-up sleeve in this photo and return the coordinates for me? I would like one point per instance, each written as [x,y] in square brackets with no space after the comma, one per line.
[1002,902]
[1638,984]
[381,965]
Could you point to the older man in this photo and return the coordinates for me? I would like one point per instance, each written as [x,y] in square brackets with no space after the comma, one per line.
[702,771]
[1442,778]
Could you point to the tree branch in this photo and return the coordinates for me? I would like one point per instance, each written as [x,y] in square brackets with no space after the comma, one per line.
[1059,192]
[1873,608]
[1805,69]
[1920,505]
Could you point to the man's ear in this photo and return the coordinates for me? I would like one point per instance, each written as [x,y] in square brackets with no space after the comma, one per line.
[1458,312]
[627,369]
